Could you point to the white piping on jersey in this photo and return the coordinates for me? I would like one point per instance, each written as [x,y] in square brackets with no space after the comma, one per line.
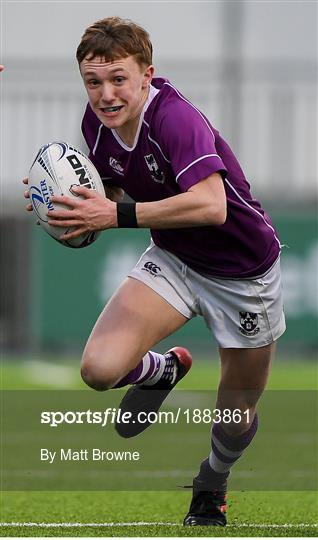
[97,139]
[155,142]
[191,104]
[152,93]
[254,210]
[193,163]
[121,142]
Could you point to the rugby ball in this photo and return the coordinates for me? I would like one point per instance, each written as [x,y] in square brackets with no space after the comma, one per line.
[57,168]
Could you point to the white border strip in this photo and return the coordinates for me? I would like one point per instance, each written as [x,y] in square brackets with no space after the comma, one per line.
[155,142]
[253,209]
[97,140]
[194,162]
[167,524]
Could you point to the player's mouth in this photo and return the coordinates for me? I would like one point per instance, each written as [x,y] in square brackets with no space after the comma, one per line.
[111,111]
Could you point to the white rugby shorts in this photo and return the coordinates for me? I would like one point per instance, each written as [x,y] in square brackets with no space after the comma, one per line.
[245,313]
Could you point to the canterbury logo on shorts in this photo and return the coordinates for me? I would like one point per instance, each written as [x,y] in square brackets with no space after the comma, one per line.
[152,268]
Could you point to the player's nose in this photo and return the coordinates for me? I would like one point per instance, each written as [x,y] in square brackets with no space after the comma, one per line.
[108,93]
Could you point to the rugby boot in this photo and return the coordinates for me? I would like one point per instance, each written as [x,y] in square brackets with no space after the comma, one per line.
[148,399]
[208,506]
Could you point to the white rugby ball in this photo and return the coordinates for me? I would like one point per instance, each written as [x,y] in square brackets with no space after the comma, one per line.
[57,168]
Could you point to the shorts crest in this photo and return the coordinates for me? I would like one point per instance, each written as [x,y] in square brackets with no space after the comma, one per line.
[249,322]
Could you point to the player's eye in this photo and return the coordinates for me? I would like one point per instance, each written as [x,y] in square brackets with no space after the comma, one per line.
[119,80]
[92,82]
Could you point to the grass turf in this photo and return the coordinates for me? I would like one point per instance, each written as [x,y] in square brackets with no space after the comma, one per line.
[250,514]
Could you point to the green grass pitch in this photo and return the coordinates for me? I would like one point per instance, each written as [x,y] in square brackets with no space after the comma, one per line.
[149,513]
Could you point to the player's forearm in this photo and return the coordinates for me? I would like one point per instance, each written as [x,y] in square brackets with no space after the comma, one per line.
[203,204]
[185,210]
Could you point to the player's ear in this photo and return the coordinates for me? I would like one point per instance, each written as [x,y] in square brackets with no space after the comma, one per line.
[148,75]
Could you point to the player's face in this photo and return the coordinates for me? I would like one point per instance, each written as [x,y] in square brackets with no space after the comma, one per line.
[116,90]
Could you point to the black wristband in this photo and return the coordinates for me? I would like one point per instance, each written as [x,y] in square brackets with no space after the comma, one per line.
[126,215]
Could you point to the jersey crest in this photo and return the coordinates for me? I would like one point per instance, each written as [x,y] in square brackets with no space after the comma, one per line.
[156,174]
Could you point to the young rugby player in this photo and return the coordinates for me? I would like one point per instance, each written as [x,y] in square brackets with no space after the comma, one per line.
[214,251]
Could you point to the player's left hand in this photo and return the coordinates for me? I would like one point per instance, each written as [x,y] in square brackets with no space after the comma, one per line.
[93,213]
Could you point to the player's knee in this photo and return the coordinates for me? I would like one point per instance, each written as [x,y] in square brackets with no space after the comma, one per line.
[97,375]
[93,378]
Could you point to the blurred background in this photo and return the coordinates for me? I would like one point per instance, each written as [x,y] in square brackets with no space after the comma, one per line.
[251,67]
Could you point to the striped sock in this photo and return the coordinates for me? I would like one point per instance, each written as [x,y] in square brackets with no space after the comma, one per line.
[168,371]
[152,367]
[226,450]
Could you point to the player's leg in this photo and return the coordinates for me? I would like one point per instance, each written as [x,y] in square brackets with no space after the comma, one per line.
[152,303]
[133,321]
[247,318]
[244,374]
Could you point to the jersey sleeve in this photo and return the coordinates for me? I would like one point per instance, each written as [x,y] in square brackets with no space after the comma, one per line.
[188,141]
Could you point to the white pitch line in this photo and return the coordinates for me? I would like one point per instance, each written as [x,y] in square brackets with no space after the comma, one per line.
[146,523]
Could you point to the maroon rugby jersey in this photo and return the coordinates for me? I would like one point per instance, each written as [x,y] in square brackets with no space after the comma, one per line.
[175,147]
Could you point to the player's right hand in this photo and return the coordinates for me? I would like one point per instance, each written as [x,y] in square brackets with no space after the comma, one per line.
[27,195]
